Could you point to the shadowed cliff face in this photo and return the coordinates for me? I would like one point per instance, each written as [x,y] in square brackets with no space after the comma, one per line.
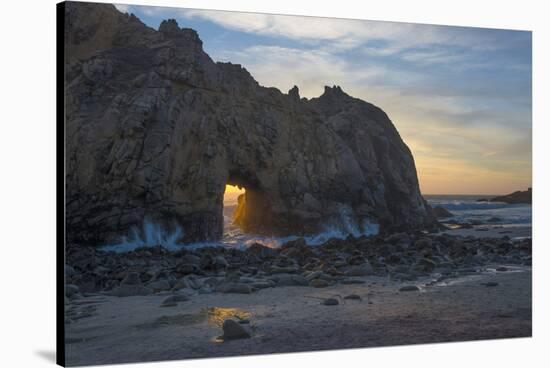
[155,129]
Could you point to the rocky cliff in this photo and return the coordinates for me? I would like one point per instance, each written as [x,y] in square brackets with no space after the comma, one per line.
[156,129]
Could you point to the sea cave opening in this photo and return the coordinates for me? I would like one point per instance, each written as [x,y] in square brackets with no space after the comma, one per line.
[233,205]
[246,207]
[231,199]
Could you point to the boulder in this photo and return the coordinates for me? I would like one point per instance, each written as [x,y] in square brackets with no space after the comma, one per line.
[233,330]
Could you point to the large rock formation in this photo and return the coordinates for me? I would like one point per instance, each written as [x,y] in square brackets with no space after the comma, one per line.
[156,129]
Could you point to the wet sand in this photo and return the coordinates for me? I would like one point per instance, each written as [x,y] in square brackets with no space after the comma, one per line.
[291,319]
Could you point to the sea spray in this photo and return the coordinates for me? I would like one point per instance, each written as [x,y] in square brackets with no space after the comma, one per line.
[153,234]
[150,234]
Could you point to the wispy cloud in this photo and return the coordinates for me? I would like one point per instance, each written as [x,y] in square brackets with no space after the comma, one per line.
[344,34]
[124,8]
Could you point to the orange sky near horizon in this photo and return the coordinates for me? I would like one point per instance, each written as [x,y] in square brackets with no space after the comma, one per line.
[450,176]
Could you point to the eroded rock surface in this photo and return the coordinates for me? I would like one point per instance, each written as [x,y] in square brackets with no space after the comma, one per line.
[156,129]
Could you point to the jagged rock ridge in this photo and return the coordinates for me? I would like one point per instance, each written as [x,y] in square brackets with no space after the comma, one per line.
[156,129]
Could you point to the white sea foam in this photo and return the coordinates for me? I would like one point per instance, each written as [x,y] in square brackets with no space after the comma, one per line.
[152,234]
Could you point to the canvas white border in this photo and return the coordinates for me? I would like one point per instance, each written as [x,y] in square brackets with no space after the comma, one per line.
[27,154]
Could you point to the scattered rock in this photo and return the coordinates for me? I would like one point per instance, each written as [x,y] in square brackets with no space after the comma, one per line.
[69,271]
[352,297]
[402,239]
[313,275]
[290,280]
[131,290]
[181,284]
[263,284]
[187,268]
[409,288]
[232,330]
[173,300]
[352,282]
[362,270]
[276,270]
[234,288]
[71,290]
[330,301]
[318,283]
[441,212]
[131,279]
[159,285]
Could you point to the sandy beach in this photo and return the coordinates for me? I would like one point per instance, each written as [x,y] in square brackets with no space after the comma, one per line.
[290,319]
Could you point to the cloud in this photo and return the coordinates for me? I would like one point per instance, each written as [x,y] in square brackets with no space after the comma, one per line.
[310,69]
[124,8]
[344,34]
[444,126]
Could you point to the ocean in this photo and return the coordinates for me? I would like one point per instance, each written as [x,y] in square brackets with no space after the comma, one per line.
[467,208]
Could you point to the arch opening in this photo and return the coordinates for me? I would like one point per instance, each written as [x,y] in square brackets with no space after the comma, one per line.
[246,206]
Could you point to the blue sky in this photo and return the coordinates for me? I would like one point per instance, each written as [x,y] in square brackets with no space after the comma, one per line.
[460,97]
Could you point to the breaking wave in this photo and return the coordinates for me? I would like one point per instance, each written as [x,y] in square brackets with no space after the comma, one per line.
[152,234]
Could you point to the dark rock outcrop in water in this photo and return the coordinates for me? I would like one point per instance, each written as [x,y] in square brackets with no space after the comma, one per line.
[156,129]
[516,197]
[440,212]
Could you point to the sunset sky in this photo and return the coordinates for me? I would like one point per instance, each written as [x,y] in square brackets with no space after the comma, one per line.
[459,97]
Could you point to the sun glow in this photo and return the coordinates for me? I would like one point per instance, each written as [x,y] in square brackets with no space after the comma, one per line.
[231,194]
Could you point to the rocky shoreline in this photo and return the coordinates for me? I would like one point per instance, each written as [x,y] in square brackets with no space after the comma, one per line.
[356,292]
[401,257]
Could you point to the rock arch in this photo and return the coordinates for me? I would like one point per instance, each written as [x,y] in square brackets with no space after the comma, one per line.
[156,129]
